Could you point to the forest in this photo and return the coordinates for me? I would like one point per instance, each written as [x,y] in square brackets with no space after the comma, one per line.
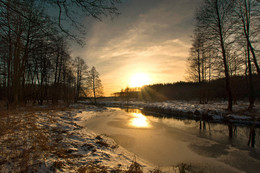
[35,60]
[223,62]
[189,91]
[36,64]
[225,44]
[42,76]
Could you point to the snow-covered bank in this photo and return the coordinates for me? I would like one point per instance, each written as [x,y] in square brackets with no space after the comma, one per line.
[54,141]
[212,112]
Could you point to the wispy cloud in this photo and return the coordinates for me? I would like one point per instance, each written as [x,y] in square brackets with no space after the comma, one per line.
[150,36]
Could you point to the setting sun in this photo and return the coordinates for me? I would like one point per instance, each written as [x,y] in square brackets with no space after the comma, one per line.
[139,80]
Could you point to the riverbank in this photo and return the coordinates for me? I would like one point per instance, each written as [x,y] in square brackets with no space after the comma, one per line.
[214,112]
[170,141]
[50,139]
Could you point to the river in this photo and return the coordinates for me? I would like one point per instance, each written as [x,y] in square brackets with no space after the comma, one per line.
[165,142]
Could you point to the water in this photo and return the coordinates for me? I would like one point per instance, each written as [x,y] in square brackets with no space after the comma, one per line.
[168,141]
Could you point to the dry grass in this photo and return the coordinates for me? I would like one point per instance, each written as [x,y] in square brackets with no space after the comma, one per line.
[156,170]
[27,142]
[97,168]
[24,144]
[135,167]
[93,168]
[187,168]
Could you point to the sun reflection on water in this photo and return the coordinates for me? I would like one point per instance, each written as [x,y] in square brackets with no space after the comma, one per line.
[139,120]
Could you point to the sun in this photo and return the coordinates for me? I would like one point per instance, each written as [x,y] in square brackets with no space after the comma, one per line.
[139,80]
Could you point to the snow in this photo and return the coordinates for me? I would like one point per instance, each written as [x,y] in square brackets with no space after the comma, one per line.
[215,111]
[233,116]
[54,141]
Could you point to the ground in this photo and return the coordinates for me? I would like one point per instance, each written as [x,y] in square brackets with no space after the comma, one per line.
[52,139]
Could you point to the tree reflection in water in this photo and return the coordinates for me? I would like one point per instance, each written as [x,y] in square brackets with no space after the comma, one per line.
[251,137]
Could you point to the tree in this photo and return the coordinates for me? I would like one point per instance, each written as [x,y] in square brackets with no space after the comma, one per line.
[81,75]
[246,14]
[69,13]
[95,84]
[70,10]
[35,63]
[20,32]
[30,39]
[201,62]
[214,18]
[196,61]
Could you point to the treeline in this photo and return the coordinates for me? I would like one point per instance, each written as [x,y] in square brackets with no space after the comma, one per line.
[35,61]
[213,91]
[128,93]
[226,45]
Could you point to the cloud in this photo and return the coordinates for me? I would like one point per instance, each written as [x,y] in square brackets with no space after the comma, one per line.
[150,36]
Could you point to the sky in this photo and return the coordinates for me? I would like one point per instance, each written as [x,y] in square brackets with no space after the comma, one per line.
[152,37]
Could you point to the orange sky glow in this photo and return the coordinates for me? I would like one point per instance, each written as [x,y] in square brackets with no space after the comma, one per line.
[148,37]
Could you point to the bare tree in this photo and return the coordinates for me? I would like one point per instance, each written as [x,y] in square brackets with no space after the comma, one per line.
[195,61]
[246,15]
[214,18]
[200,63]
[95,84]
[69,13]
[81,75]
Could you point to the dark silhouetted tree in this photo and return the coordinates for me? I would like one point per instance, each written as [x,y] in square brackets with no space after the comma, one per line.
[214,18]
[247,15]
[81,76]
[95,84]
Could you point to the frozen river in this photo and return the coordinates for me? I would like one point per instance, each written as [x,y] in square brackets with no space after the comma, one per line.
[165,142]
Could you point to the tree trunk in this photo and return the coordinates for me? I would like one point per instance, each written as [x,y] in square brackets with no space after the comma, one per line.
[94,90]
[56,79]
[227,77]
[246,29]
[198,51]
[251,86]
[254,57]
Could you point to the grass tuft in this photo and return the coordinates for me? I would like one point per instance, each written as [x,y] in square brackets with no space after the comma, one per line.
[93,168]
[187,168]
[135,168]
[156,170]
